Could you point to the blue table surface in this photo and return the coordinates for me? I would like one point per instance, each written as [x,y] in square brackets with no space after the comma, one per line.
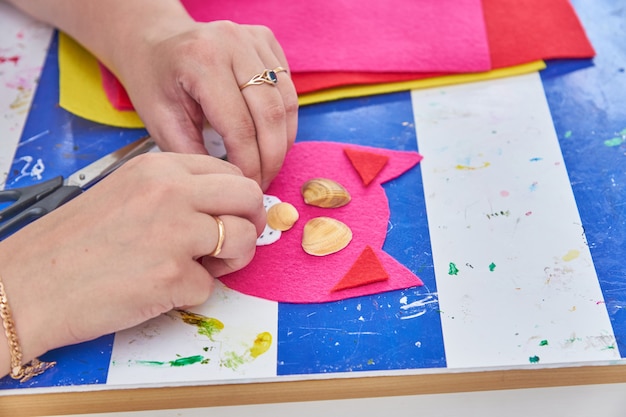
[587,99]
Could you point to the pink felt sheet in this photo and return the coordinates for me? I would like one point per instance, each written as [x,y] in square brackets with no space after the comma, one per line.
[352,35]
[283,272]
[518,31]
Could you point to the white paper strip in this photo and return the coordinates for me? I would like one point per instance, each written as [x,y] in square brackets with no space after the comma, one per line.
[23,47]
[515,278]
[229,345]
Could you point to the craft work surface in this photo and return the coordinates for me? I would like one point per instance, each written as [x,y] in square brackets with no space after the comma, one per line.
[510,231]
[23,45]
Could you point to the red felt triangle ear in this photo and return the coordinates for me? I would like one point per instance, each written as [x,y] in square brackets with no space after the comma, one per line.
[366,270]
[367,164]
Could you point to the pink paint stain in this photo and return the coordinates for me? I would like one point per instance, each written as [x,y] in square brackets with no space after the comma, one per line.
[14,59]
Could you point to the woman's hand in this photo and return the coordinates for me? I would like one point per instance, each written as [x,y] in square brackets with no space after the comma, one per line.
[179,72]
[132,247]
[182,72]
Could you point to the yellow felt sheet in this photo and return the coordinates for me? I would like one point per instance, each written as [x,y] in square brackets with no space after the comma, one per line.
[373,89]
[81,91]
[80,85]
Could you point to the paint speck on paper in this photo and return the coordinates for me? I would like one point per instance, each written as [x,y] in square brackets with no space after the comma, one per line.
[533,186]
[472,168]
[544,342]
[568,134]
[11,59]
[492,267]
[233,360]
[504,193]
[176,363]
[452,269]
[207,326]
[533,359]
[501,213]
[261,344]
[536,159]
[571,255]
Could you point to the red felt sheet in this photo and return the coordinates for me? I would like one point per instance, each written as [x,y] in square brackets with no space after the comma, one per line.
[518,32]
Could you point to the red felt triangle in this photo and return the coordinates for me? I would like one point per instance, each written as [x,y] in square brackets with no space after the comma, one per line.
[367,164]
[366,270]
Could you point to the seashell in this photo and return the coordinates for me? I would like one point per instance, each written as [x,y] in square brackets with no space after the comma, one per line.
[323,235]
[322,192]
[282,216]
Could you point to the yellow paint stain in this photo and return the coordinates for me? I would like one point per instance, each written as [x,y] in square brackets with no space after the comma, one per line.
[207,326]
[571,255]
[22,100]
[261,344]
[470,168]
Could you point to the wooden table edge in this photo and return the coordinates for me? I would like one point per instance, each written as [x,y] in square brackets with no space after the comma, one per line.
[230,394]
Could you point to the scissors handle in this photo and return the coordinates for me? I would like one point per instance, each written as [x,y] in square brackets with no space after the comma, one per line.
[25,196]
[41,207]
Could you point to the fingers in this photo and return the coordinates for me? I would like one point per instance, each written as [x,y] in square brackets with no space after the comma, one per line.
[239,237]
[223,244]
[193,188]
[259,122]
[238,247]
[220,194]
[208,62]
[274,123]
[194,164]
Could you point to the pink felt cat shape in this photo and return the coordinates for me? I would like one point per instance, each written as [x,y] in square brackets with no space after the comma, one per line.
[283,272]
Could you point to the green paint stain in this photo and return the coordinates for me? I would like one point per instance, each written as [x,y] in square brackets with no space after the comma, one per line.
[370,362]
[232,361]
[189,360]
[568,134]
[543,343]
[616,141]
[207,326]
[534,359]
[492,266]
[150,363]
[613,142]
[453,270]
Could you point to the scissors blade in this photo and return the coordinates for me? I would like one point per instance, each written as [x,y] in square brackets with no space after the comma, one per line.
[99,169]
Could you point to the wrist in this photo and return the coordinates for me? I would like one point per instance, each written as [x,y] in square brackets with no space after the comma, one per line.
[19,368]
[162,22]
[22,299]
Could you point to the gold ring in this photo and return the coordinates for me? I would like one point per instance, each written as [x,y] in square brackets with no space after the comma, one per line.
[268,76]
[220,236]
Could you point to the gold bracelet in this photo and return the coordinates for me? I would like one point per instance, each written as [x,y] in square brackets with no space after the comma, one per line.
[18,371]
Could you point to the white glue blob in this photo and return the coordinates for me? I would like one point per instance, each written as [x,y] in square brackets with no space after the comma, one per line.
[269,235]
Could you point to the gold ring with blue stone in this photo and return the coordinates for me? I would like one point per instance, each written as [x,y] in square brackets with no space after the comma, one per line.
[268,76]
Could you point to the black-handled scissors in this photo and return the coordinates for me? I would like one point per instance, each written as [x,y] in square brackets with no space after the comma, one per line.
[34,201]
